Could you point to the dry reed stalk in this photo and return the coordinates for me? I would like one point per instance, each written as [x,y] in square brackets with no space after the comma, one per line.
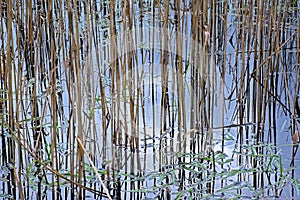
[94,168]
[90,82]
[137,88]
[180,84]
[71,88]
[151,32]
[9,78]
[250,31]
[194,74]
[274,77]
[209,29]
[78,84]
[130,76]
[19,184]
[199,79]
[114,71]
[54,135]
[295,137]
[189,61]
[223,73]
[141,83]
[19,95]
[124,74]
[101,71]
[257,88]
[296,111]
[115,85]
[211,66]
[164,70]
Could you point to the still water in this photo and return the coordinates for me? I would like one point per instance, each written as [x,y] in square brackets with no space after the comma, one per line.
[149,100]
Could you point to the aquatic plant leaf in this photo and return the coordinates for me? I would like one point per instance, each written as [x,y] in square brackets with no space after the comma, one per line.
[228,136]
[280,165]
[228,161]
[231,173]
[4,179]
[269,163]
[253,150]
[7,196]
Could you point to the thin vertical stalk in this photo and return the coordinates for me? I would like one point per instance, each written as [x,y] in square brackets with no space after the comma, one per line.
[78,79]
[9,67]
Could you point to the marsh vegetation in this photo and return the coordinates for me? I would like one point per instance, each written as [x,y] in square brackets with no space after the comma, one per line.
[149,99]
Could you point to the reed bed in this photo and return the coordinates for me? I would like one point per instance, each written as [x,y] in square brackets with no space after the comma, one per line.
[149,99]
